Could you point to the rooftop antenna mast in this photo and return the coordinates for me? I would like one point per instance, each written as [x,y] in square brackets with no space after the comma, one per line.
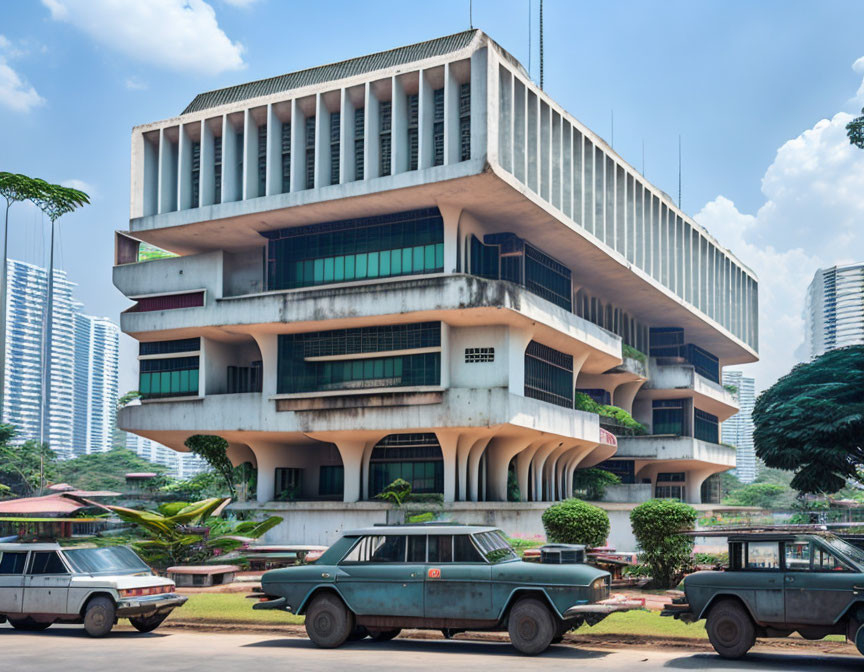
[471,14]
[541,44]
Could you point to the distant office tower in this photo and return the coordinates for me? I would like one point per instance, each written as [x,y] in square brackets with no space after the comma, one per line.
[97,361]
[738,430]
[179,465]
[834,309]
[25,305]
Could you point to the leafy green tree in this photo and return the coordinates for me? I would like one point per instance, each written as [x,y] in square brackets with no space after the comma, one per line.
[203,485]
[22,466]
[855,130]
[576,522]
[5,491]
[763,495]
[657,525]
[106,471]
[396,492]
[811,421]
[592,483]
[214,451]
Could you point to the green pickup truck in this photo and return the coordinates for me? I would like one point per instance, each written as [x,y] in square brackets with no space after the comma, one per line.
[376,581]
[778,583]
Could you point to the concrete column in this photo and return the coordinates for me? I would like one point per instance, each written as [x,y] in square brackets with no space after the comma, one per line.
[167,173]
[150,178]
[550,471]
[274,152]
[540,457]
[695,479]
[449,440]
[474,456]
[480,76]
[298,148]
[600,453]
[371,145]
[425,123]
[518,339]
[351,452]
[463,450]
[184,173]
[625,393]
[267,456]
[500,452]
[322,143]
[399,128]
[250,156]
[523,465]
[451,116]
[206,186]
[451,214]
[572,460]
[229,162]
[268,344]
[346,139]
[239,453]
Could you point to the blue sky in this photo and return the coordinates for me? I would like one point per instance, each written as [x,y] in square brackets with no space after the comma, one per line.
[759,93]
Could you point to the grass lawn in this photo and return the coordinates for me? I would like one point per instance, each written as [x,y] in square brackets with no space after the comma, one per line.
[645,623]
[228,607]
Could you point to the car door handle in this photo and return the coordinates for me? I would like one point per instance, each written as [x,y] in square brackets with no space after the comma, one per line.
[325,575]
[413,575]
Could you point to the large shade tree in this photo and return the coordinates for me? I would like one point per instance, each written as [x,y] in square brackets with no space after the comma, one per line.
[855,130]
[811,421]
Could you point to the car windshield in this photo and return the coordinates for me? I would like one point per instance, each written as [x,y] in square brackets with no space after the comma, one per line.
[852,552]
[495,547]
[110,560]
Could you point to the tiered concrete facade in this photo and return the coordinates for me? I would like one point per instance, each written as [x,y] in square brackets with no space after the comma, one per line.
[407,265]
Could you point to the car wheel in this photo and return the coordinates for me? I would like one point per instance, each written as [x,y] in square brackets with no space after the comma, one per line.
[328,621]
[730,629]
[531,626]
[99,617]
[29,625]
[859,640]
[148,623]
[384,635]
[563,628]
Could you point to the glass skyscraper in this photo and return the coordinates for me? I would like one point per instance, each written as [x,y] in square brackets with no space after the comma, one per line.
[738,430]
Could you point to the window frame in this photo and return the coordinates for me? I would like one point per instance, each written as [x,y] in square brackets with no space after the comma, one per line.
[26,553]
[780,557]
[32,558]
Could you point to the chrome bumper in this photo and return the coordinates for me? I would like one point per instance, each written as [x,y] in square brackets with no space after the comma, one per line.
[599,610]
[149,604]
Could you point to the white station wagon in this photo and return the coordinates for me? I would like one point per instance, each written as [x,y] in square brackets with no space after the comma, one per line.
[41,584]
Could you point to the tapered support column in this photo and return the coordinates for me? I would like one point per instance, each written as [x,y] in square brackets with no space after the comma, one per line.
[463,450]
[448,440]
[523,467]
[474,456]
[267,456]
[501,451]
[549,471]
[540,457]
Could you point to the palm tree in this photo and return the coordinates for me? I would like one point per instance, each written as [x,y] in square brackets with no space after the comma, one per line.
[55,201]
[13,188]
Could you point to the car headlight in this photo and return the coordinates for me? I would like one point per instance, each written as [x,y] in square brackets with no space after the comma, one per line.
[599,584]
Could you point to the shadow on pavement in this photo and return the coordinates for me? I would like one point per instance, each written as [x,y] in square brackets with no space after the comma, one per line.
[73,631]
[766,662]
[438,646]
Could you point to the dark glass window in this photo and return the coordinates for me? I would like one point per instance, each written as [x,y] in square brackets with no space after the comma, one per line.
[440,548]
[485,259]
[599,395]
[384,137]
[669,492]
[623,469]
[668,416]
[12,562]
[288,482]
[168,377]
[168,302]
[666,341]
[464,550]
[335,120]
[262,160]
[196,173]
[464,122]
[47,562]
[706,426]
[217,169]
[416,458]
[169,347]
[438,127]
[413,136]
[286,157]
[671,477]
[392,549]
[331,481]
[244,379]
[407,243]
[359,144]
[310,152]
[298,374]
[548,375]
[416,548]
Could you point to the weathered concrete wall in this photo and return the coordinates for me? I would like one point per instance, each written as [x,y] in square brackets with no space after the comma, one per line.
[635,492]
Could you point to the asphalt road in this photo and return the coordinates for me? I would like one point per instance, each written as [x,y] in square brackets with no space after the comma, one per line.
[70,650]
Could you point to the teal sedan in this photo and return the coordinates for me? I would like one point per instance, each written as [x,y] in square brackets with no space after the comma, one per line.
[376,581]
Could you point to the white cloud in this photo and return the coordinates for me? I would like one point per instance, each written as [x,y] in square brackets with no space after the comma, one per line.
[812,217]
[15,93]
[243,4]
[181,35]
[135,84]
[858,66]
[80,185]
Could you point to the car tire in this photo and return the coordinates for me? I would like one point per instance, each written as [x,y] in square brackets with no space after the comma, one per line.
[730,629]
[531,626]
[563,628]
[328,621]
[148,623]
[99,616]
[29,625]
[384,635]
[859,639]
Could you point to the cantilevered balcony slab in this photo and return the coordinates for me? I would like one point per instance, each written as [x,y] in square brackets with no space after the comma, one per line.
[458,300]
[675,448]
[680,381]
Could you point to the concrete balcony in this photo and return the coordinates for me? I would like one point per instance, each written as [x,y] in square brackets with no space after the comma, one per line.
[680,381]
[457,300]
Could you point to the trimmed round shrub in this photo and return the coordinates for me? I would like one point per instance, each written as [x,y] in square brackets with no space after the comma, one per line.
[656,526]
[576,522]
